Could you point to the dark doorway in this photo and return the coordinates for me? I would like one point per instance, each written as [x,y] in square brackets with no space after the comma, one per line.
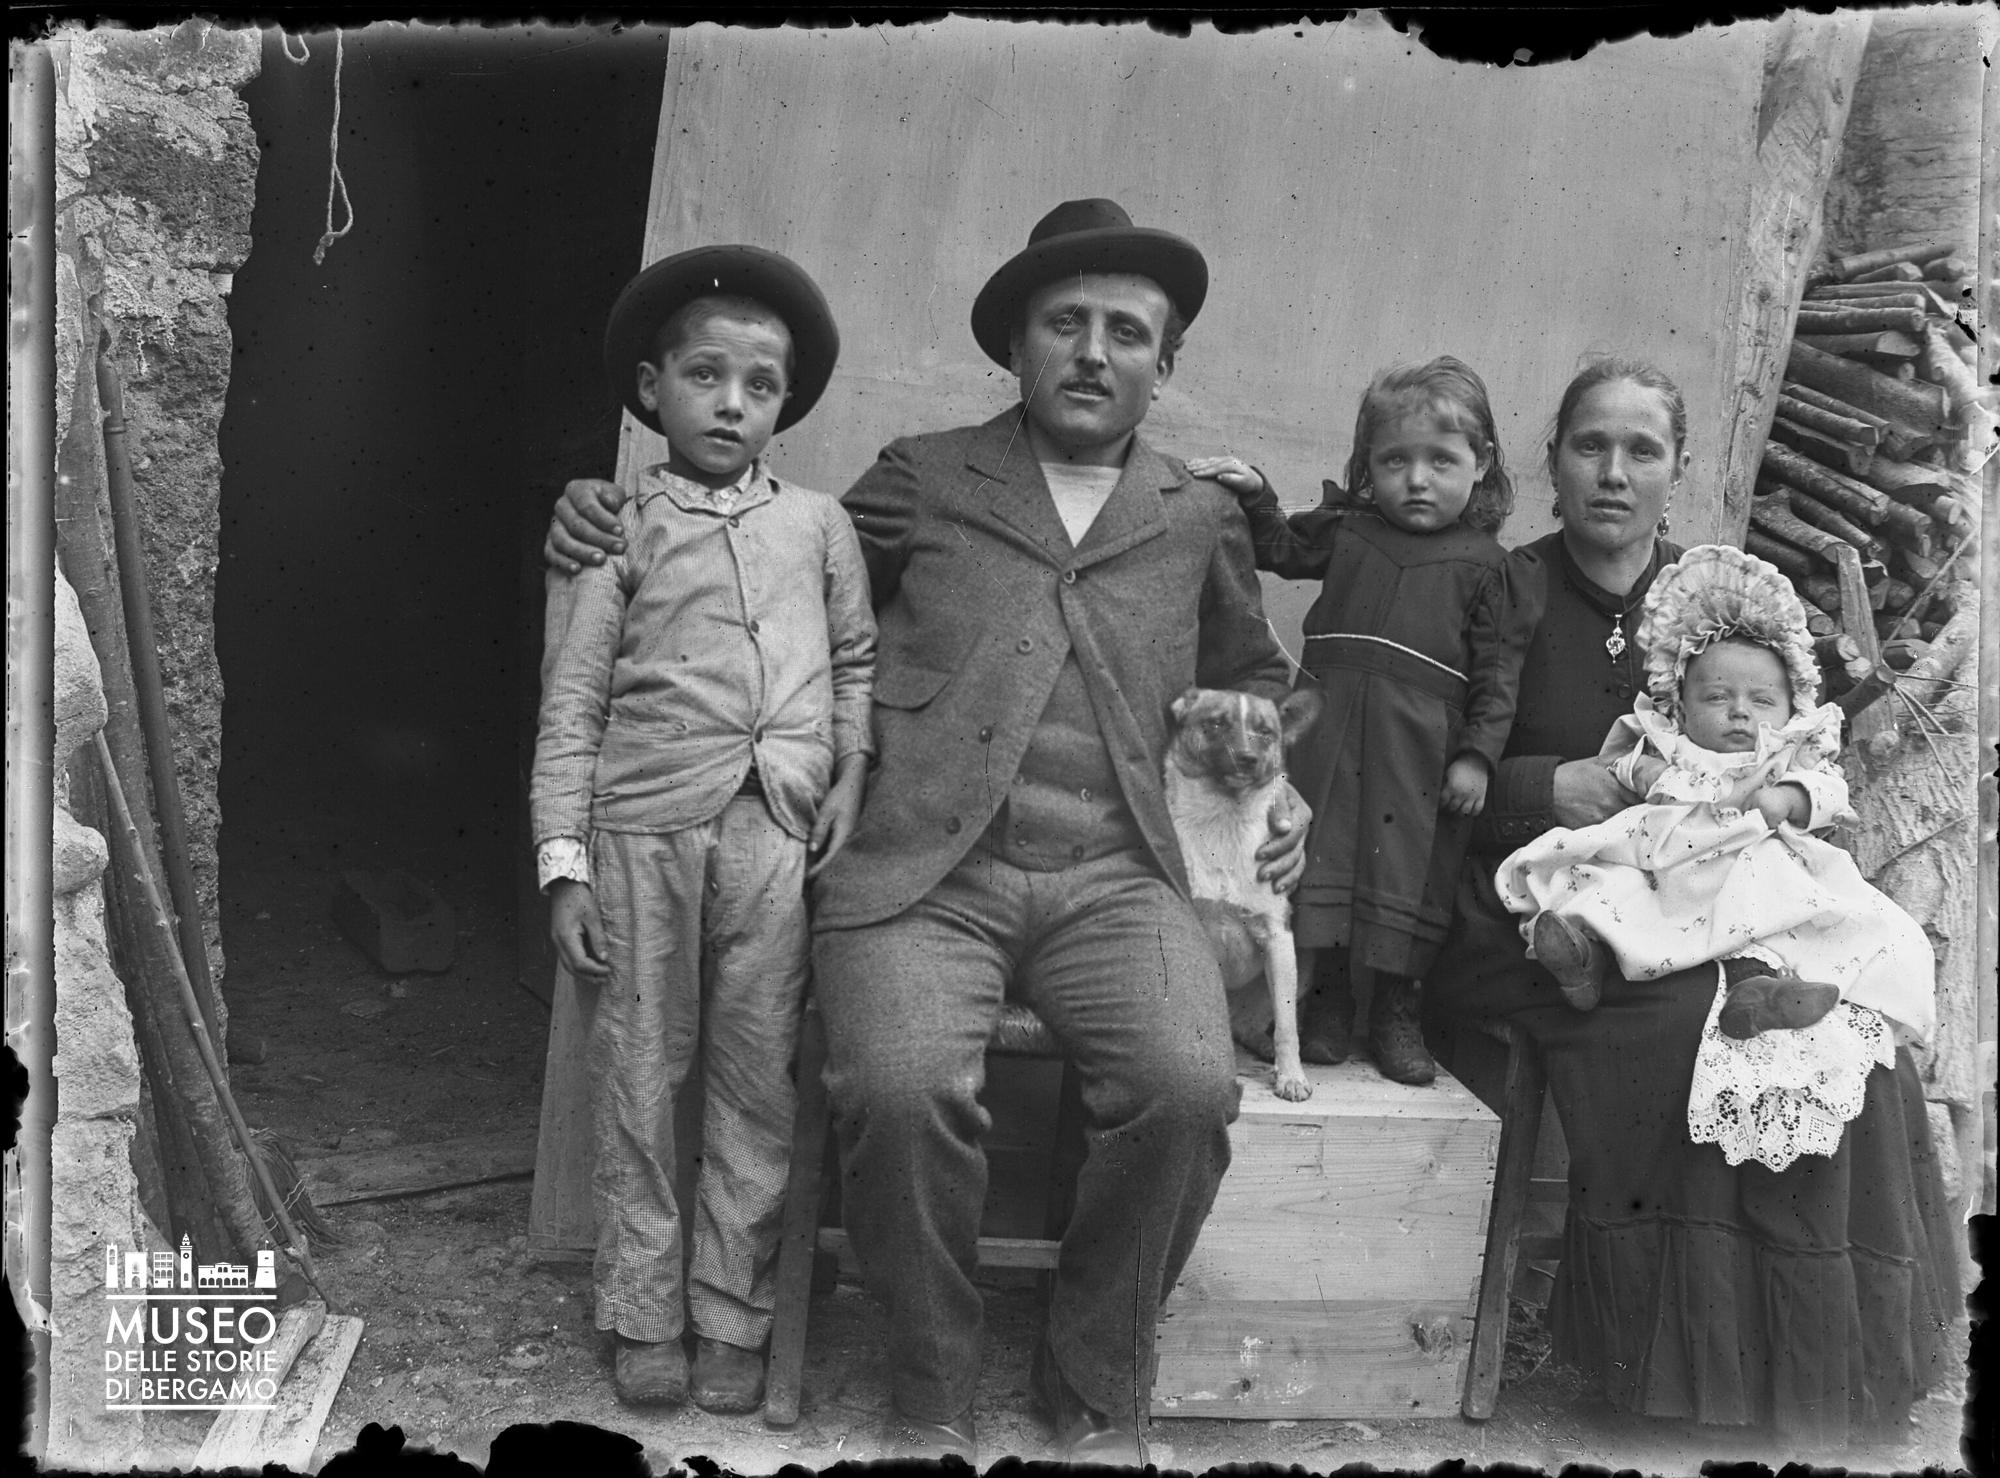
[399,421]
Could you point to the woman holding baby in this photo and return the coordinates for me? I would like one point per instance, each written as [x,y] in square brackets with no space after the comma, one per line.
[1813,1300]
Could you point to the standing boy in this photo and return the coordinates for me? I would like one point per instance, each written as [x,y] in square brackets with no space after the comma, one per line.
[704,730]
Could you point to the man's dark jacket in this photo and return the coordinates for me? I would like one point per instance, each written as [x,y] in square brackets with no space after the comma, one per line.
[979,597]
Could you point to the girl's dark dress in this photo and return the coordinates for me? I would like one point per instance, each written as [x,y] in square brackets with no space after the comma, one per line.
[1416,642]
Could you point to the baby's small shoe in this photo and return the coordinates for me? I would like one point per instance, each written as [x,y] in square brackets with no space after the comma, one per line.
[728,1379]
[1574,956]
[1766,1003]
[650,1373]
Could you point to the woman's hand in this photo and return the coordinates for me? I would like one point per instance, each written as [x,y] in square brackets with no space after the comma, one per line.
[839,813]
[1586,793]
[585,527]
[1282,859]
[1232,472]
[577,929]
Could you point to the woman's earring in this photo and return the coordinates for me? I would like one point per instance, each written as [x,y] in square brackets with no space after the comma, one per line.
[1556,510]
[1663,523]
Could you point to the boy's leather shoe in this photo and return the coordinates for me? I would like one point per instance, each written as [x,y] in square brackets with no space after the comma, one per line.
[728,1379]
[1576,958]
[1774,1003]
[914,1438]
[1396,1032]
[650,1374]
[1082,1433]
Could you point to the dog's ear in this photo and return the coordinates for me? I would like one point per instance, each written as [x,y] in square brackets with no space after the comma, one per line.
[1180,705]
[1297,712]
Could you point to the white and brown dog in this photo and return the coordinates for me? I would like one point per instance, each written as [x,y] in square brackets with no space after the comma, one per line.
[1225,768]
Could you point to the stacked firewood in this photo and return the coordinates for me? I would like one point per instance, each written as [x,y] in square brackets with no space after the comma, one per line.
[1858,498]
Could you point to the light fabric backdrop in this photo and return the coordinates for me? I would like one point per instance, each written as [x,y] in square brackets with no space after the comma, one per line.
[1360,201]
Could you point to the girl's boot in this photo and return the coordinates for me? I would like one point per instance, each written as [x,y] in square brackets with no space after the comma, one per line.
[1326,1011]
[1396,1033]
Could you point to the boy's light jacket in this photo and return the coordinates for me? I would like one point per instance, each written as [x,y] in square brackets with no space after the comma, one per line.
[721,633]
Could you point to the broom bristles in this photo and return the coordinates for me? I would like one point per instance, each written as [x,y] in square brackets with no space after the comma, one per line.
[270,1147]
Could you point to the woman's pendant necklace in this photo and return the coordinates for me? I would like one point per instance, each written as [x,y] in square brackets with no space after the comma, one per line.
[1615,643]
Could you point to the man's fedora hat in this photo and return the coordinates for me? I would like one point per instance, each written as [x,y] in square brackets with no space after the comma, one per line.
[779,283]
[1086,236]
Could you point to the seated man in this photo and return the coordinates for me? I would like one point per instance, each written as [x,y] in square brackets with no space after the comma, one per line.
[1045,585]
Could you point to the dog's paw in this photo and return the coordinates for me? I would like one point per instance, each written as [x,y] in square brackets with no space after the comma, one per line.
[1292,1087]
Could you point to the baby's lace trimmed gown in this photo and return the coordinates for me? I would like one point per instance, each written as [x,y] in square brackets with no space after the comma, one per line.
[1694,876]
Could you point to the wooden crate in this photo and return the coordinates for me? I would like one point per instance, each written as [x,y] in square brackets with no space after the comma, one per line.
[1337,1274]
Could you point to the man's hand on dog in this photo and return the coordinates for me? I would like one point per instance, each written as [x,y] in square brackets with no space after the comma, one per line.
[1282,859]
[1465,786]
[577,929]
[586,526]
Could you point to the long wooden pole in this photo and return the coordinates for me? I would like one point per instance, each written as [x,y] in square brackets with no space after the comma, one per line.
[31,438]
[1812,63]
[143,645]
[295,1245]
[1986,958]
[181,1113]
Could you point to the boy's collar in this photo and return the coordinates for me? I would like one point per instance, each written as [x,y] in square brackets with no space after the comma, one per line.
[752,487]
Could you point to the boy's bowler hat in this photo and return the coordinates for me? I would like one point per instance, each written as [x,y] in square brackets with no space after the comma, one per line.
[1086,236]
[779,283]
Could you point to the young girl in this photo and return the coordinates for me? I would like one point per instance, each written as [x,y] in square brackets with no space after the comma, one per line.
[1416,642]
[1735,757]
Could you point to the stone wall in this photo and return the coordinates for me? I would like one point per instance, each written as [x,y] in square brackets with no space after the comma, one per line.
[158,163]
[156,166]
[93,1192]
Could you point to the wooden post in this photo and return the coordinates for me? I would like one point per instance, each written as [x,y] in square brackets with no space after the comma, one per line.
[1986,949]
[1810,67]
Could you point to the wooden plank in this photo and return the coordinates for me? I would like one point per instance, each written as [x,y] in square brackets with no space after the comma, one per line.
[805,1188]
[994,1252]
[559,1210]
[1810,66]
[292,1427]
[236,1439]
[1311,1358]
[414,1169]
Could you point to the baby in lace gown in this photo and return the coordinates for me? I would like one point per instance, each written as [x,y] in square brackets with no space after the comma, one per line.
[1817,971]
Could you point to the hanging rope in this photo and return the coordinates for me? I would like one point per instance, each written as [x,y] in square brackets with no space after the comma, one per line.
[334,180]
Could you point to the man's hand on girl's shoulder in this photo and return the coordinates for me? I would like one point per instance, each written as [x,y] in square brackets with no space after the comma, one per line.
[585,527]
[1232,472]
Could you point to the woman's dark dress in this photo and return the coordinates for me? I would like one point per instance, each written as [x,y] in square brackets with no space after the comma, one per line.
[1817,1299]
[1416,643]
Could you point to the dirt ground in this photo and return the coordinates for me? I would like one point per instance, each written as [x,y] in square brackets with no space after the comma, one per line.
[467,1332]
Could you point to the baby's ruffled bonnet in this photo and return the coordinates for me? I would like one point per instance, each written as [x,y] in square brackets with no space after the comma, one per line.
[1714,593]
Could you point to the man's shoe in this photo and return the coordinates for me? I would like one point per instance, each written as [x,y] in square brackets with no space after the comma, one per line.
[1082,1433]
[921,1441]
[1774,1003]
[728,1379]
[1396,1032]
[650,1374]
[1575,956]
